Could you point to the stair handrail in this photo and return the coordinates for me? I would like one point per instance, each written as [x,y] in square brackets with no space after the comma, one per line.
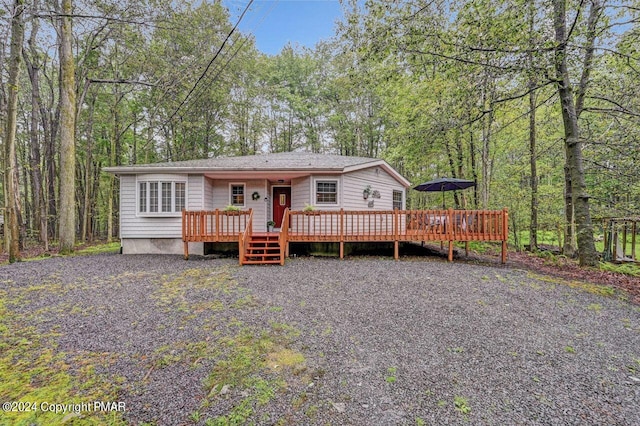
[283,238]
[244,238]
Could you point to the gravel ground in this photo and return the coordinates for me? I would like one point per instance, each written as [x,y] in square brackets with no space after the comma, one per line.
[416,341]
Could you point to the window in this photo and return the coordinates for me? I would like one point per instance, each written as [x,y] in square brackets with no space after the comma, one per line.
[237,194]
[397,199]
[143,197]
[153,197]
[166,197]
[327,192]
[181,196]
[161,197]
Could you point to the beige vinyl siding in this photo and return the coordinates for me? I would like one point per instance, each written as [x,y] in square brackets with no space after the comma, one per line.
[379,180]
[207,198]
[195,192]
[300,192]
[133,225]
[221,199]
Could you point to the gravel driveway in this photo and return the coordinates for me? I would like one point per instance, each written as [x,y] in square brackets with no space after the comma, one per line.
[363,341]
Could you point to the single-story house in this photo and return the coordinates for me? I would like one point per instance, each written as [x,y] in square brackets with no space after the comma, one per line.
[153,196]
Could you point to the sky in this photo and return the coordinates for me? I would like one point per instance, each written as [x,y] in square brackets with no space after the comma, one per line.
[274,23]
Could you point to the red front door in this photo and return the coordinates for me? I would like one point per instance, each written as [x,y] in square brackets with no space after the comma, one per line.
[281,200]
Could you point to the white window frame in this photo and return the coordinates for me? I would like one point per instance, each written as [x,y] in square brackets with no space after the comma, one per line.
[244,194]
[315,192]
[161,183]
[393,201]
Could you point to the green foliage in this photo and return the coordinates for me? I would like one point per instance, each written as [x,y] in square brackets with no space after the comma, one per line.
[391,375]
[461,404]
[436,89]
[623,268]
[98,249]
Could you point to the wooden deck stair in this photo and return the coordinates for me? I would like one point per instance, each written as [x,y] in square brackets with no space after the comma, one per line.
[263,249]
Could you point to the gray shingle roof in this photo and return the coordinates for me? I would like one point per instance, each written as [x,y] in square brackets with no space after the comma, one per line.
[278,161]
[285,161]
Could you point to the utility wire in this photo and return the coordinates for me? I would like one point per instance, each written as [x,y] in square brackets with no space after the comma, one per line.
[240,41]
[204,73]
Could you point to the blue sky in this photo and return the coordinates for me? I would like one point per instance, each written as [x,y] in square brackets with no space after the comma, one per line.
[274,23]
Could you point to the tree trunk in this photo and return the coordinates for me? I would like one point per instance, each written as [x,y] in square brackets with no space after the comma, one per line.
[39,204]
[569,247]
[533,225]
[584,229]
[12,206]
[67,225]
[474,168]
[86,211]
[487,123]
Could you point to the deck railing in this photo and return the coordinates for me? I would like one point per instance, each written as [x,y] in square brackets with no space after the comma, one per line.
[212,226]
[283,238]
[398,225]
[352,226]
[245,237]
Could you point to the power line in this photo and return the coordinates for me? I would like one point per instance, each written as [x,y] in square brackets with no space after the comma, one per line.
[240,41]
[204,73]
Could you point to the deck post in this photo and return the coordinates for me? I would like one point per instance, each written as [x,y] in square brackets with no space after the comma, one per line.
[505,233]
[217,225]
[624,240]
[341,233]
[634,229]
[396,244]
[186,250]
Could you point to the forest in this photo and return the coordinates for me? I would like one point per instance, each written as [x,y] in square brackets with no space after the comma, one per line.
[538,101]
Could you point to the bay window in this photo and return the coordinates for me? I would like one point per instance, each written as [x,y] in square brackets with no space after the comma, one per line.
[161,197]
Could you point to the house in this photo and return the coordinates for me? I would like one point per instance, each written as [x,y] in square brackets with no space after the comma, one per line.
[153,196]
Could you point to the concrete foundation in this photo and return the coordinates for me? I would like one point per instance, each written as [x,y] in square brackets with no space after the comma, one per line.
[159,246]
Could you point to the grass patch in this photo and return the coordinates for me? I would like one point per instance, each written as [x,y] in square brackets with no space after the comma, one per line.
[461,405]
[391,375]
[44,380]
[597,289]
[630,269]
[251,364]
[81,250]
[256,366]
[113,247]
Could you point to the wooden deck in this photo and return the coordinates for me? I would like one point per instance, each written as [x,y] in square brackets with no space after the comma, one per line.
[343,226]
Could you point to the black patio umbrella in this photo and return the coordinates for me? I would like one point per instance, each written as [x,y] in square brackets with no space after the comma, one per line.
[444,184]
